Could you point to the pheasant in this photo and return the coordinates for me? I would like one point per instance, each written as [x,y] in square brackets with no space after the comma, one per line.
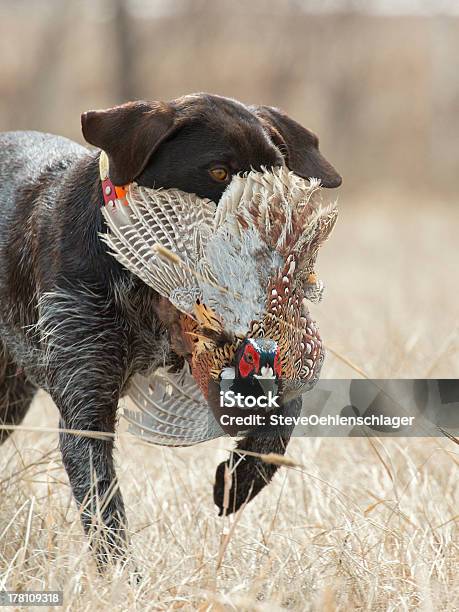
[235,278]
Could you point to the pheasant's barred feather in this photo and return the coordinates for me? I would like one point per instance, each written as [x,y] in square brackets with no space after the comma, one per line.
[207,319]
[244,267]
[173,411]
[177,222]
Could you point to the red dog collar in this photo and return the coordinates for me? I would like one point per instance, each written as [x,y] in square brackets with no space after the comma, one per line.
[111,193]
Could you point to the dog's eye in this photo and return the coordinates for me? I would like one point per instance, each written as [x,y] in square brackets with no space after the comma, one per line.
[219,173]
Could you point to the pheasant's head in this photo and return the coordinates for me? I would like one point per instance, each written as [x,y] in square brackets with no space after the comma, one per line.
[258,358]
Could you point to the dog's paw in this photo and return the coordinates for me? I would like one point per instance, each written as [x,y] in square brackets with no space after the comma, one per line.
[235,486]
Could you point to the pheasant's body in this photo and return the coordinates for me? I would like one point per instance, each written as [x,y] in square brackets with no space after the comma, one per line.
[242,269]
[287,321]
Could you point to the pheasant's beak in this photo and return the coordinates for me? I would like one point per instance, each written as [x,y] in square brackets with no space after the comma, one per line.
[270,366]
[266,372]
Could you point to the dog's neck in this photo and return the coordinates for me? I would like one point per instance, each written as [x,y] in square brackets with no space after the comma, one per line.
[81,223]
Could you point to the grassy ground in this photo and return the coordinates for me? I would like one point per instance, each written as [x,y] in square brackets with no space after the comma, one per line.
[368,525]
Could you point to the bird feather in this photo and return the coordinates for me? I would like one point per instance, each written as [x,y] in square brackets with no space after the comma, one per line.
[220,265]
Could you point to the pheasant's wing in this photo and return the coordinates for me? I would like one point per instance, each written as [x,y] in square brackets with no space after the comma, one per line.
[159,237]
[170,410]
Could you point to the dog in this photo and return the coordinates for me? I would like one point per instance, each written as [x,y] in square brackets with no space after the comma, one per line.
[72,320]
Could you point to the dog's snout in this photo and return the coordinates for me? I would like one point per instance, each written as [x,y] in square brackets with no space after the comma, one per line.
[333,181]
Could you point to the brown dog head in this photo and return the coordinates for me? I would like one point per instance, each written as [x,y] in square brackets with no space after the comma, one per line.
[196,143]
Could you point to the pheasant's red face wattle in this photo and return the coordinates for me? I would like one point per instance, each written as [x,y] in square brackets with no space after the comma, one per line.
[249,363]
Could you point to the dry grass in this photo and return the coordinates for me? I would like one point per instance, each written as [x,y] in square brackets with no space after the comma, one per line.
[370,526]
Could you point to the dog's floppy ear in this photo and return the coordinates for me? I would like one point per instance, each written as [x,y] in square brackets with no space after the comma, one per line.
[299,145]
[129,134]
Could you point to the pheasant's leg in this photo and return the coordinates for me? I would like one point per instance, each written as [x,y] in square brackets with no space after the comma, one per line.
[250,474]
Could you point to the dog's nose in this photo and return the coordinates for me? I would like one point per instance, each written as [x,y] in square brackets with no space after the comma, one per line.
[332,181]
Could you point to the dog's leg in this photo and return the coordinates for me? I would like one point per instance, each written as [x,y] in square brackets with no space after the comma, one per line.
[91,471]
[86,369]
[249,474]
[16,393]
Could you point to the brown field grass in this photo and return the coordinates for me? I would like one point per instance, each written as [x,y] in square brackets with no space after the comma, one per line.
[366,525]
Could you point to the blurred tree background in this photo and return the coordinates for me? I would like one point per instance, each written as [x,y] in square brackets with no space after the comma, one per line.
[377,79]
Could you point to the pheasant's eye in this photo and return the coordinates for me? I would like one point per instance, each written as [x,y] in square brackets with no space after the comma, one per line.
[219,173]
[249,362]
[248,357]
